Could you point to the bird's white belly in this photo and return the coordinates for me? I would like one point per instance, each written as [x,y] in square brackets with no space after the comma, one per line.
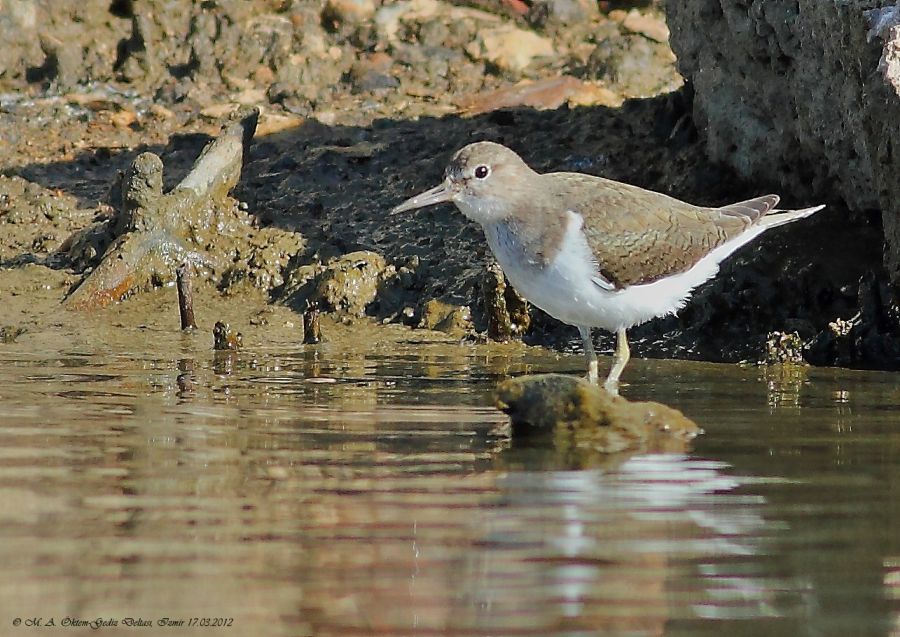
[565,288]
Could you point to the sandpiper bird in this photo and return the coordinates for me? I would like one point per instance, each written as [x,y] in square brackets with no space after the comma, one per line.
[593,252]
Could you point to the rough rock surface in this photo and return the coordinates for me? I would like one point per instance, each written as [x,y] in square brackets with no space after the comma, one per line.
[799,93]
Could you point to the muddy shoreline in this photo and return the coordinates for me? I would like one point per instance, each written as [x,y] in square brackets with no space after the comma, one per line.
[362,104]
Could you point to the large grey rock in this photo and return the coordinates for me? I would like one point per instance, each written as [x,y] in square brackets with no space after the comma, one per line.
[804,93]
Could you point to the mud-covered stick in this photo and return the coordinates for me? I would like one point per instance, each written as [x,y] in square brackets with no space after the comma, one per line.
[312,331]
[185,296]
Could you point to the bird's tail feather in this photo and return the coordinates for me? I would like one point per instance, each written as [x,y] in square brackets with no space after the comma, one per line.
[781,217]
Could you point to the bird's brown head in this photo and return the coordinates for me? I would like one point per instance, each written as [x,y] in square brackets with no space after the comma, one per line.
[484,180]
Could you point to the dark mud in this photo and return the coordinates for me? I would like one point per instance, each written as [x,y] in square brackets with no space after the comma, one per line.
[362,105]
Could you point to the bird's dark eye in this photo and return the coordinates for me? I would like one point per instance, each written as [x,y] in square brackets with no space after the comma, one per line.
[481,172]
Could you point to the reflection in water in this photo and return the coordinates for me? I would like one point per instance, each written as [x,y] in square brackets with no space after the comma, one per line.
[305,494]
[892,588]
[629,550]
[532,552]
[785,384]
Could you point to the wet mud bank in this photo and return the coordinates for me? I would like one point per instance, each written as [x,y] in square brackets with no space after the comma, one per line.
[360,105]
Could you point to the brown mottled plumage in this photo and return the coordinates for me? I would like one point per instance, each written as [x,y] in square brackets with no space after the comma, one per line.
[639,236]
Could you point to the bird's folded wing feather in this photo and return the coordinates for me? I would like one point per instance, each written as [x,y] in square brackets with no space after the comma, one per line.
[638,236]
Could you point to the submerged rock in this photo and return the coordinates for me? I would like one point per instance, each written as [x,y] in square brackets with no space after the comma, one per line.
[578,414]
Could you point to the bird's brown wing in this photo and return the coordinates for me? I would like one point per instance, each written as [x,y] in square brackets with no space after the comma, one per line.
[639,236]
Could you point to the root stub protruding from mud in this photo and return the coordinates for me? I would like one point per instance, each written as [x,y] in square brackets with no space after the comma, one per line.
[153,228]
[572,413]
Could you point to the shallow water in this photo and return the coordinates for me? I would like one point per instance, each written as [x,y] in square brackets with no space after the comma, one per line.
[314,491]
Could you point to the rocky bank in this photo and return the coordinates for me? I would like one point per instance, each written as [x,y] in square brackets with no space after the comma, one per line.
[361,104]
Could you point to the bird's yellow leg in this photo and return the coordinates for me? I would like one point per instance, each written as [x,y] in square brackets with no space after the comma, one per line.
[620,360]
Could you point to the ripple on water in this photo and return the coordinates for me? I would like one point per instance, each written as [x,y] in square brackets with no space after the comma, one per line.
[391,502]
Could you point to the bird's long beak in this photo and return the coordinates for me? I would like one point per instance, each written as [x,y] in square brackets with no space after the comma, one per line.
[438,194]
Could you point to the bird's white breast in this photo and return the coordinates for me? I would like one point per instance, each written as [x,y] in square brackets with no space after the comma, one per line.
[565,287]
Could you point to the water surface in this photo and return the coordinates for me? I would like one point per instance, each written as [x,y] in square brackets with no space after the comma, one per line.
[315,491]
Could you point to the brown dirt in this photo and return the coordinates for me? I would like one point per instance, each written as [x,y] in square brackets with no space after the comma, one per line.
[362,107]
